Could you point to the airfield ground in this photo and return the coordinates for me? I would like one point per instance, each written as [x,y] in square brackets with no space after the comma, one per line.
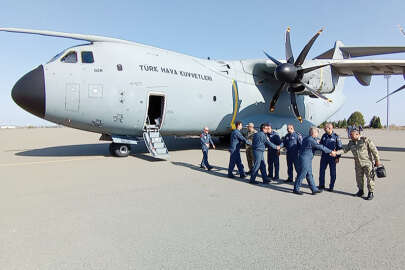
[66,204]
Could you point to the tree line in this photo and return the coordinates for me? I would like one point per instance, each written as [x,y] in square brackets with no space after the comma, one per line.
[356,119]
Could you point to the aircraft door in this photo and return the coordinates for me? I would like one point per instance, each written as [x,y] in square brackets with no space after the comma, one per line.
[155,110]
[72,97]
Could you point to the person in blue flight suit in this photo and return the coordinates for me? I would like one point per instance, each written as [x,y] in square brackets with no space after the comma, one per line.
[259,143]
[273,155]
[206,141]
[306,154]
[292,143]
[236,139]
[332,141]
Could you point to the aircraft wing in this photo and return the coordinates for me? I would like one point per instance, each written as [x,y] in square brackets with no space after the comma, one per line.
[90,38]
[349,67]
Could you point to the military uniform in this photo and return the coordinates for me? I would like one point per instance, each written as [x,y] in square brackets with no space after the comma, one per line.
[273,159]
[363,151]
[236,140]
[292,143]
[333,143]
[205,139]
[306,154]
[249,150]
[259,143]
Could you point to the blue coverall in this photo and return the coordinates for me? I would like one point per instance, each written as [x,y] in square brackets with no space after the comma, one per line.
[259,143]
[292,143]
[333,143]
[205,139]
[236,139]
[306,154]
[273,159]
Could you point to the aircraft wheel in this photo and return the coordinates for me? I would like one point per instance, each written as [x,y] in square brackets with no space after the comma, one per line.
[120,150]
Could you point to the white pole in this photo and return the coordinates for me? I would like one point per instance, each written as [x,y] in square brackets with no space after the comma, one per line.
[388,98]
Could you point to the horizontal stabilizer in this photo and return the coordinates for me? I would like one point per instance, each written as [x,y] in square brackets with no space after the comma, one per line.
[358,51]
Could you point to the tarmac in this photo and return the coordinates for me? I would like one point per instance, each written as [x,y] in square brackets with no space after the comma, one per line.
[65,203]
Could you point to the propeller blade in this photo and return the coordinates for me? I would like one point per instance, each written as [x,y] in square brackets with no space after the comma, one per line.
[275,97]
[306,70]
[316,93]
[288,51]
[273,59]
[304,52]
[295,106]
[399,89]
[401,29]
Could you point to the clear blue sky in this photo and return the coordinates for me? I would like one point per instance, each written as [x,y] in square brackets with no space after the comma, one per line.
[220,29]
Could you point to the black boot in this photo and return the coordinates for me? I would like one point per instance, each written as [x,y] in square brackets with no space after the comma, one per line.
[359,193]
[370,196]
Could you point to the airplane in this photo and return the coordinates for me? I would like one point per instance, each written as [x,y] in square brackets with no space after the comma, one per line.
[130,92]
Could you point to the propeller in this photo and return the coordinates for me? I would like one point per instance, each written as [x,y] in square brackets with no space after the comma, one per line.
[399,89]
[401,29]
[290,74]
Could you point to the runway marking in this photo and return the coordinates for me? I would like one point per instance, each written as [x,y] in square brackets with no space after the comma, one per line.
[46,162]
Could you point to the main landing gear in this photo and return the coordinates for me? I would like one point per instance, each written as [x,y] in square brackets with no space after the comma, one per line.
[120,149]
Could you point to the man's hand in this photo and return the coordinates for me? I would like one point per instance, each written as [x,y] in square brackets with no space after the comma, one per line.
[208,145]
[278,147]
[377,163]
[213,146]
[333,154]
[337,160]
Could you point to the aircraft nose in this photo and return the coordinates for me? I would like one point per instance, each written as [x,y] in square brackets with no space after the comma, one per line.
[29,92]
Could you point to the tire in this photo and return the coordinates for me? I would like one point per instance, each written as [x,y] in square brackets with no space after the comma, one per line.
[120,150]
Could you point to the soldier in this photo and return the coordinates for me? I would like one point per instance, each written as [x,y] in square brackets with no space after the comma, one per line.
[332,141]
[306,155]
[205,139]
[259,143]
[249,151]
[236,139]
[292,143]
[364,151]
[273,155]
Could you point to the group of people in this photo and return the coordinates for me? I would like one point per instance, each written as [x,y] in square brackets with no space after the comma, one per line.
[299,155]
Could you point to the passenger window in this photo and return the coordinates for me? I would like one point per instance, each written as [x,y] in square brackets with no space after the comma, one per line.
[71,57]
[87,57]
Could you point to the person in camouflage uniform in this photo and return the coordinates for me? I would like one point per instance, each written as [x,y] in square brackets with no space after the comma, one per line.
[249,151]
[364,151]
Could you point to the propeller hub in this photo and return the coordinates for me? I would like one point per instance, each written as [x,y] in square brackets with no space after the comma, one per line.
[286,73]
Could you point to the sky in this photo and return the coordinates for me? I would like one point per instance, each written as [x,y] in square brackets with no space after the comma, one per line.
[227,30]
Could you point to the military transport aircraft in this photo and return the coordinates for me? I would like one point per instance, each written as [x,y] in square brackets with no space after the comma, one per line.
[129,92]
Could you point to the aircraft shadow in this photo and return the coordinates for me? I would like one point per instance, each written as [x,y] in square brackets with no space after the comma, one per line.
[102,149]
[68,151]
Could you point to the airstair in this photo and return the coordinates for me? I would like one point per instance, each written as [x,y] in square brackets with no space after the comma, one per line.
[154,142]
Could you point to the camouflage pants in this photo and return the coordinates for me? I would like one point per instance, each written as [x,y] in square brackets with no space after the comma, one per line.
[250,158]
[368,172]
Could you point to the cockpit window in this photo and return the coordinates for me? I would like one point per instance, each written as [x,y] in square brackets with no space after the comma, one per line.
[87,57]
[71,57]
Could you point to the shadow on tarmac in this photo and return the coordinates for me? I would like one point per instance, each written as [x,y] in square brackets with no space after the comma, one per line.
[102,149]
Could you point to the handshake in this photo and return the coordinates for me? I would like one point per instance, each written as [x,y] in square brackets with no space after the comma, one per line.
[333,153]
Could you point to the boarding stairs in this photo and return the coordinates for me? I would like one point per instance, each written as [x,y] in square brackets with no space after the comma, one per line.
[155,143]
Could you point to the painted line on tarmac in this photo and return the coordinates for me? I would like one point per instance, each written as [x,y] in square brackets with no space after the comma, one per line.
[47,162]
